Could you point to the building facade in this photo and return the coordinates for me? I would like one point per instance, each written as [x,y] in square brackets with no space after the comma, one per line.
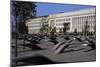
[34,25]
[77,20]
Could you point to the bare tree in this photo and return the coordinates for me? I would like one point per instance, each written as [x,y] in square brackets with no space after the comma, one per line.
[75,32]
[95,28]
[86,29]
[44,25]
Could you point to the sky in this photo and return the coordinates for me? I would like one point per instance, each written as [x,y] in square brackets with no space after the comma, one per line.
[54,8]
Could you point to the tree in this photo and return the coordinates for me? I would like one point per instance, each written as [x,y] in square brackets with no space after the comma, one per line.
[53,30]
[65,27]
[75,32]
[22,28]
[60,30]
[22,11]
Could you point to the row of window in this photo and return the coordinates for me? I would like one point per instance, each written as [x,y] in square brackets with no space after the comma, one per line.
[83,23]
[61,20]
[33,23]
[84,20]
[76,23]
[87,17]
[60,24]
[80,27]
[34,26]
[92,24]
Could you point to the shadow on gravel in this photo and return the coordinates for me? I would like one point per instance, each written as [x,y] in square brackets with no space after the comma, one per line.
[33,47]
[89,50]
[36,60]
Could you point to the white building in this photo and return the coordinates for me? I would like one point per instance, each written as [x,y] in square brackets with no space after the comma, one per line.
[76,19]
[35,24]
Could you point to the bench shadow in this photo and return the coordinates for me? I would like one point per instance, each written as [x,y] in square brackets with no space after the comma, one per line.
[72,50]
[35,60]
